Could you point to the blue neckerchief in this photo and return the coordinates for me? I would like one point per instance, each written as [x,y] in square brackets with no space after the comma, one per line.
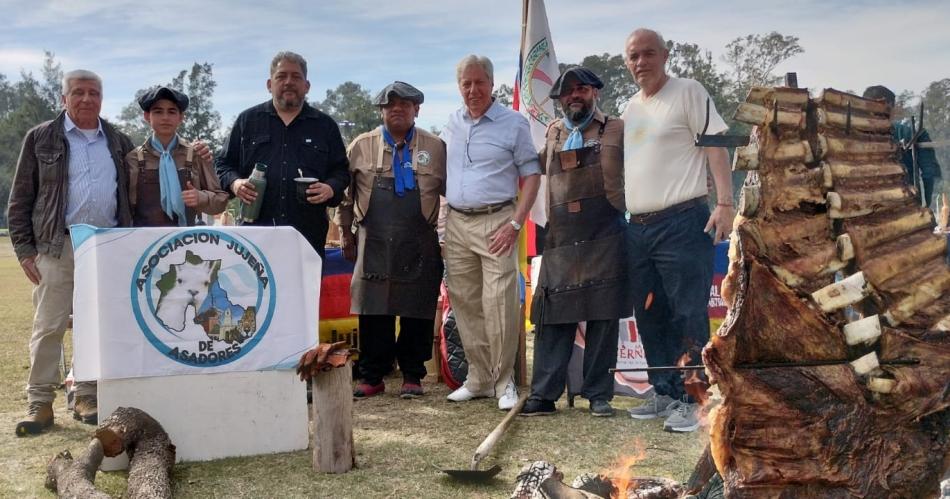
[402,165]
[576,140]
[172,202]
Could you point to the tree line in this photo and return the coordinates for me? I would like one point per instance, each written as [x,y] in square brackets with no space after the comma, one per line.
[747,61]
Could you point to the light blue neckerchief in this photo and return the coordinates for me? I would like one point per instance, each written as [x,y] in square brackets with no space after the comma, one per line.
[403,179]
[172,202]
[576,139]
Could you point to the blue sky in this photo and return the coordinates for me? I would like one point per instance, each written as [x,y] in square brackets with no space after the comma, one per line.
[848,45]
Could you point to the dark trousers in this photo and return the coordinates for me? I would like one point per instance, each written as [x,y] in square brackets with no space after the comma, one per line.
[379,347]
[672,259]
[552,352]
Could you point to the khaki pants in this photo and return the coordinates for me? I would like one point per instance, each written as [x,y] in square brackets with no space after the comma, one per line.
[483,289]
[52,302]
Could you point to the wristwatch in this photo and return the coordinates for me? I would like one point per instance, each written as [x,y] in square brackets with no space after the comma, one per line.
[516,225]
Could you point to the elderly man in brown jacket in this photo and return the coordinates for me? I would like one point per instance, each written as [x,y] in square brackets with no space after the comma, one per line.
[69,172]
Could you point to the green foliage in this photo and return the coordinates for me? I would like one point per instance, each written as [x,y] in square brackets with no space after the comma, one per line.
[751,61]
[352,108]
[504,94]
[936,99]
[23,105]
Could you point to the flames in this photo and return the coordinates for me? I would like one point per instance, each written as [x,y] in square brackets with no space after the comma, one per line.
[621,473]
[694,384]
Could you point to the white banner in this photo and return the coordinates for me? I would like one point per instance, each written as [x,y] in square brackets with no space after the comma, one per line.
[163,301]
[537,74]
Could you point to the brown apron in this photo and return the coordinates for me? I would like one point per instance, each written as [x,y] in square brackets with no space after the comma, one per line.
[399,265]
[146,198]
[583,269]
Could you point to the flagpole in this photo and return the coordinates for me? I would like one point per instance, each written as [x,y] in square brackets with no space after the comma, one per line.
[524,31]
[521,363]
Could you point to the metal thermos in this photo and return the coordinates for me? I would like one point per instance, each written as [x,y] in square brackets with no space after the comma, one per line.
[250,212]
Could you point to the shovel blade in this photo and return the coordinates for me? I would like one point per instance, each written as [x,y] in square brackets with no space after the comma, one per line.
[474,475]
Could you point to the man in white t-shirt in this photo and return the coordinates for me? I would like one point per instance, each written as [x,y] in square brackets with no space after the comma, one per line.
[671,231]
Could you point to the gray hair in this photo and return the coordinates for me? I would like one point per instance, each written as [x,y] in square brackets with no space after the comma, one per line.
[646,31]
[80,74]
[288,56]
[475,60]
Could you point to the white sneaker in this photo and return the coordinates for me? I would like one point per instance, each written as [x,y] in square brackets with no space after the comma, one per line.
[463,394]
[509,398]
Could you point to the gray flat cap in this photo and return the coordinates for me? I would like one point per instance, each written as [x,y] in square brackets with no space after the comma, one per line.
[400,89]
[149,99]
[583,75]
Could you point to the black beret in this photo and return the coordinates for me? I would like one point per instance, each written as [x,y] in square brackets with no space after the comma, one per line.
[582,74]
[154,95]
[400,89]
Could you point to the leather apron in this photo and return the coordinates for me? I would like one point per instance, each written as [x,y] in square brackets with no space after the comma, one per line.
[146,199]
[583,268]
[399,263]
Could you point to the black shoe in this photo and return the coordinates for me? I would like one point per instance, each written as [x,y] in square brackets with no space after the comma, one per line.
[538,407]
[601,408]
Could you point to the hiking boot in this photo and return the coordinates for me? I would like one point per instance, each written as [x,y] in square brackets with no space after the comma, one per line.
[601,409]
[660,406]
[684,418]
[538,407]
[411,389]
[365,390]
[509,398]
[86,409]
[39,416]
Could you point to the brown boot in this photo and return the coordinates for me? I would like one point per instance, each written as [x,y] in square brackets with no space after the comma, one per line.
[86,409]
[39,416]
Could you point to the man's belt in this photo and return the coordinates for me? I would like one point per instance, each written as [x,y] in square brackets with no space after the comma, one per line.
[656,216]
[484,210]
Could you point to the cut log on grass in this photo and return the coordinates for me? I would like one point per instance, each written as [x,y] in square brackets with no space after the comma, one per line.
[333,450]
[74,478]
[151,453]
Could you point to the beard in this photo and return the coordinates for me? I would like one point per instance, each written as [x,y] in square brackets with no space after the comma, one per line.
[578,114]
[286,101]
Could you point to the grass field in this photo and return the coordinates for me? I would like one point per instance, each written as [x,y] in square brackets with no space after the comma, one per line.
[399,442]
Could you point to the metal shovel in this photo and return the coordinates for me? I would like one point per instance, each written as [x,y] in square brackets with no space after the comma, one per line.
[473,474]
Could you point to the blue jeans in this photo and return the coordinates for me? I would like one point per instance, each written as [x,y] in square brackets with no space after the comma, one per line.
[672,259]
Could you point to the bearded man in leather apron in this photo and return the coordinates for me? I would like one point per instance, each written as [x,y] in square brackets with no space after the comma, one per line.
[397,175]
[583,271]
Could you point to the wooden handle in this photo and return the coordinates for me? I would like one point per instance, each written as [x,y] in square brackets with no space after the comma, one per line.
[489,443]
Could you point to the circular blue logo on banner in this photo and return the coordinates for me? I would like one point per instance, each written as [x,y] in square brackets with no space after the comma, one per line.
[203,297]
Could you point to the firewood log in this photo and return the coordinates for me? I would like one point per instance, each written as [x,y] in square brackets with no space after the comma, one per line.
[73,478]
[151,453]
